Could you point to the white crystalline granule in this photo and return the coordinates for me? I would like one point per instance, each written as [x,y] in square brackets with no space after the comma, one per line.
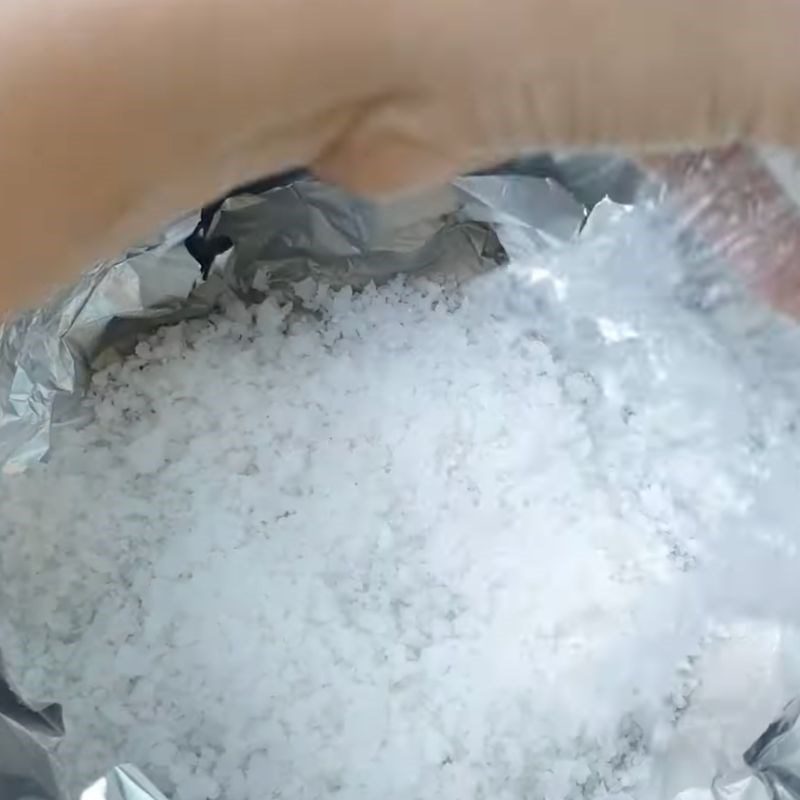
[351,553]
[401,544]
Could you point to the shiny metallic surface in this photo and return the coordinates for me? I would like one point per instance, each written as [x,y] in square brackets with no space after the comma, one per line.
[770,767]
[46,355]
[257,242]
[775,756]
[27,735]
[126,782]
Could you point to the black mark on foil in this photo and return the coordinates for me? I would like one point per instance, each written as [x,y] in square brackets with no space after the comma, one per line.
[203,247]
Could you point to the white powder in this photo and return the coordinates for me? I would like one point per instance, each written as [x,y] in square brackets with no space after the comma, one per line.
[403,544]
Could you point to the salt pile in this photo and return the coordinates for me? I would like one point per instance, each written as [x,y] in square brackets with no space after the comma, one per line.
[416,542]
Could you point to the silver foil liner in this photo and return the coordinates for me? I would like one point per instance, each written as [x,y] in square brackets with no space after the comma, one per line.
[264,240]
[124,782]
[46,355]
[27,735]
[256,242]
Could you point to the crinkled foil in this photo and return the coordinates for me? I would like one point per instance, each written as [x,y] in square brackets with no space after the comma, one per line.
[27,735]
[46,355]
[260,240]
[309,229]
[283,234]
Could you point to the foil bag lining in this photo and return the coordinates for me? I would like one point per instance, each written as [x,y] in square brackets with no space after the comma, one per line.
[262,239]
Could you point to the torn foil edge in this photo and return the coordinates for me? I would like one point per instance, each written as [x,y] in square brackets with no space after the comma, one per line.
[124,782]
[46,355]
[27,736]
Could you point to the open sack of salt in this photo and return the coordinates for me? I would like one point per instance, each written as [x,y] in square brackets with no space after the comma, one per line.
[490,494]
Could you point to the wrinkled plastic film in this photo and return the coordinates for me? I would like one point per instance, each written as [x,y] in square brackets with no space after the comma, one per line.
[734,215]
[735,210]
